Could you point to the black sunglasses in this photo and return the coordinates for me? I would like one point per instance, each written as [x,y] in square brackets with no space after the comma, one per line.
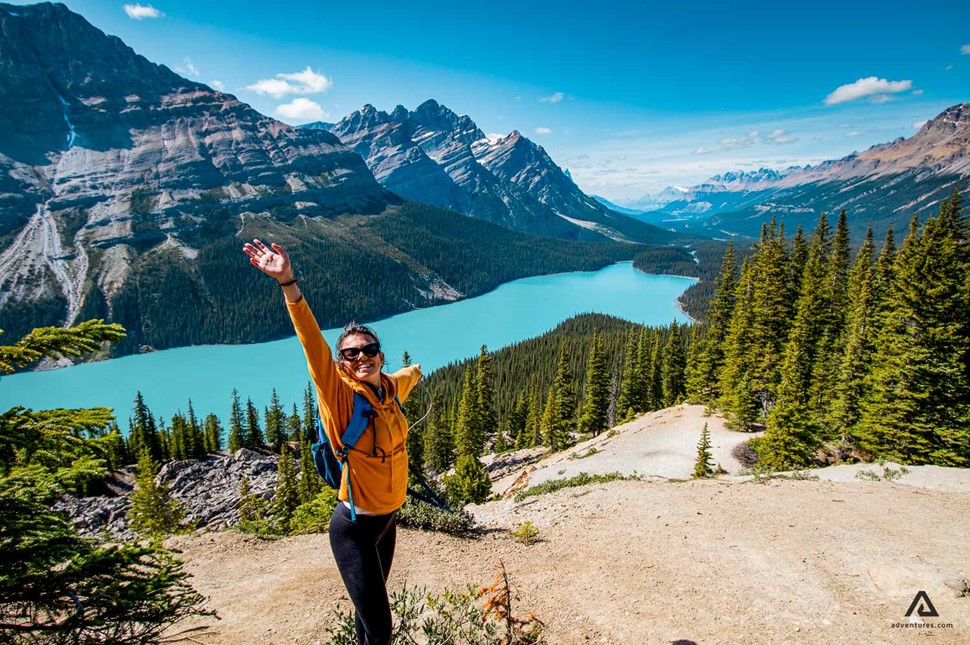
[351,353]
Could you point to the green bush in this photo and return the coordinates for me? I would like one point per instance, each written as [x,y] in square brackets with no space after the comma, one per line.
[453,617]
[314,516]
[419,515]
[526,533]
[470,483]
[579,480]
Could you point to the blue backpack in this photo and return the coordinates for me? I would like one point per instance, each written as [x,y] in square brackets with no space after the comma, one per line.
[330,461]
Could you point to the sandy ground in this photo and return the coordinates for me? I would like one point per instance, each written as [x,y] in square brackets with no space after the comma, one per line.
[832,560]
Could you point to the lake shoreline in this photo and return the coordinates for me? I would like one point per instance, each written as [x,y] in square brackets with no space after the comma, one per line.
[433,336]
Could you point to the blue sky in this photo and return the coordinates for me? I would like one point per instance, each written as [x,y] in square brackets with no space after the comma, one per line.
[629,97]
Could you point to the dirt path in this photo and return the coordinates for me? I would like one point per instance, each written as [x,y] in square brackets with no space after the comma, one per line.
[720,561]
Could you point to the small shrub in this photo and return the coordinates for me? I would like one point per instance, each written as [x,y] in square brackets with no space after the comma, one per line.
[470,483]
[579,480]
[452,617]
[314,516]
[589,452]
[419,515]
[888,474]
[746,454]
[526,533]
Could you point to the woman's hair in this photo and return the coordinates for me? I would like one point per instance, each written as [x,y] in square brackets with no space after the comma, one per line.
[353,329]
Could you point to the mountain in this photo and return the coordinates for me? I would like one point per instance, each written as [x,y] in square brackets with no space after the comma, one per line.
[631,212]
[437,157]
[884,185]
[126,192]
[105,155]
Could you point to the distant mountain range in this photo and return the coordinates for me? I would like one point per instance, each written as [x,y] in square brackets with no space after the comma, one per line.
[126,191]
[884,185]
[435,156]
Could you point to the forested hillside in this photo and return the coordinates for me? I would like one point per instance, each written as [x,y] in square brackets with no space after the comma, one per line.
[840,358]
[202,289]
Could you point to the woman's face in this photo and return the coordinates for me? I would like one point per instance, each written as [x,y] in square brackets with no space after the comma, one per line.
[362,368]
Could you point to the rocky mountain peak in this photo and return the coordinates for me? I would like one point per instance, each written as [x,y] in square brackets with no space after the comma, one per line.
[950,120]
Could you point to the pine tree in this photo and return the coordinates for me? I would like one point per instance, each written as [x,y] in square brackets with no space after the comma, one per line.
[737,399]
[644,398]
[517,420]
[674,363]
[275,423]
[143,433]
[310,484]
[704,466]
[164,440]
[58,587]
[254,434]
[702,380]
[415,446]
[918,405]
[557,418]
[831,349]
[237,434]
[294,427]
[655,382]
[250,505]
[533,422]
[466,441]
[631,382]
[213,434]
[152,511]
[195,436]
[859,344]
[470,483]
[486,421]
[793,433]
[287,495]
[593,418]
[178,448]
[406,360]
[438,439]
[309,411]
[770,318]
[797,258]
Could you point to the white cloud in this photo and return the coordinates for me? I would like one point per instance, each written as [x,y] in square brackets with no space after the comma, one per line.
[139,12]
[702,151]
[948,68]
[919,124]
[543,131]
[854,133]
[218,85]
[555,98]
[494,136]
[965,49]
[305,82]
[878,90]
[918,92]
[753,138]
[188,68]
[301,110]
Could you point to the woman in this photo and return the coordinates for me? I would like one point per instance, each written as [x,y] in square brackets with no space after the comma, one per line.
[378,463]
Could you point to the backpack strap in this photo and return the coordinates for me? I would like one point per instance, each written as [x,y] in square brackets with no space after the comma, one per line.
[359,420]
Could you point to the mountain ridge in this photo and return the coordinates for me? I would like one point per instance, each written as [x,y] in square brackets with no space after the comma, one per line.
[435,156]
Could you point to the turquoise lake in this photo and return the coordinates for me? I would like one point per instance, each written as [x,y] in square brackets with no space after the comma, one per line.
[433,337]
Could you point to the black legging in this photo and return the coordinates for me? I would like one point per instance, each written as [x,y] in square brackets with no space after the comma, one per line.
[364,551]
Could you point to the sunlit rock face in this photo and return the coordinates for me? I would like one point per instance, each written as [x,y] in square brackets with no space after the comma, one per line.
[100,147]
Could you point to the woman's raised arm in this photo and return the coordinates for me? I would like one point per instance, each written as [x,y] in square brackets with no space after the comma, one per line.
[274,262]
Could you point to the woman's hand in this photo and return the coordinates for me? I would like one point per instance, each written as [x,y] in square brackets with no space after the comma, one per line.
[273,262]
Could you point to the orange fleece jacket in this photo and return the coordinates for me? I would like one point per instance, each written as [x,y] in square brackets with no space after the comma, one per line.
[379,482]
